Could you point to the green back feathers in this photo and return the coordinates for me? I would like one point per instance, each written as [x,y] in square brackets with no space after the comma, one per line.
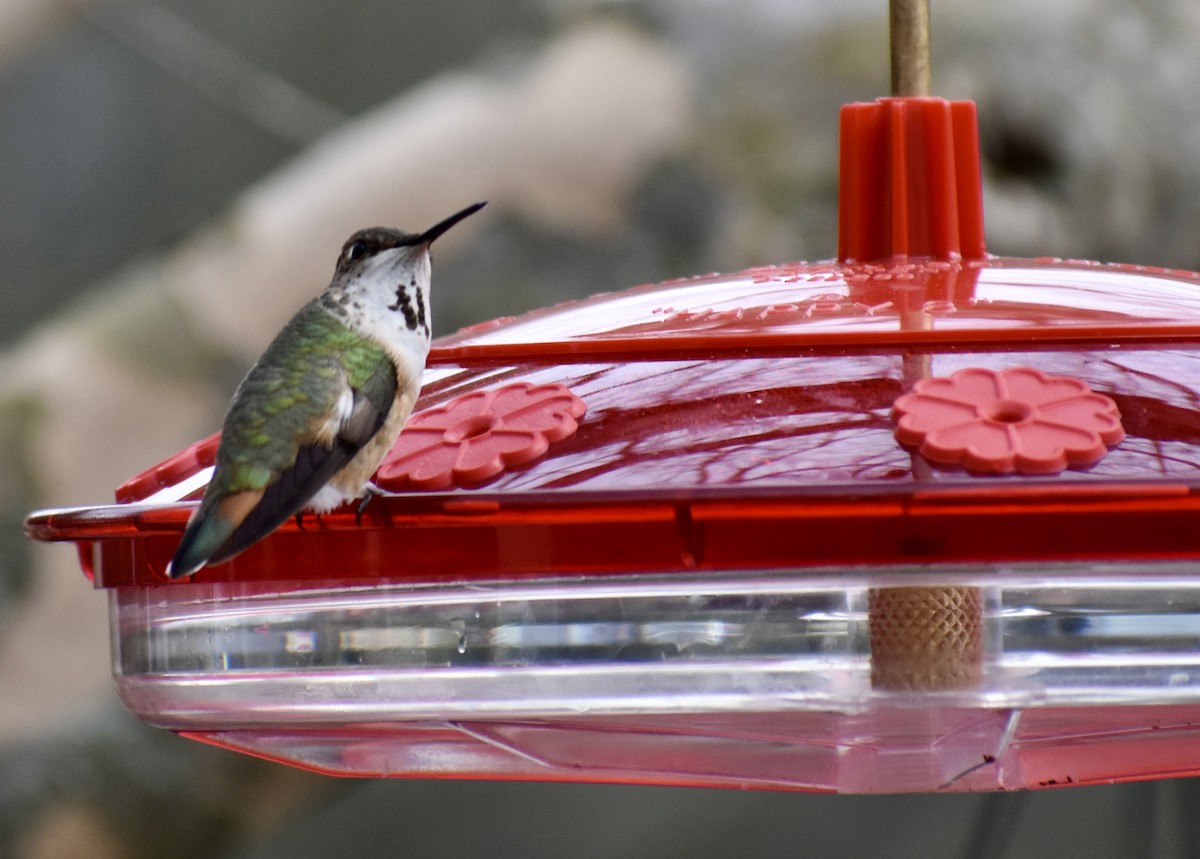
[292,390]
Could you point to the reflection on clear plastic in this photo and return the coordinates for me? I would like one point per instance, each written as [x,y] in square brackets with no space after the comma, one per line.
[1088,673]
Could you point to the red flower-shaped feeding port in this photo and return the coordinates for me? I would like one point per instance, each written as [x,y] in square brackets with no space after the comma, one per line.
[478,435]
[1004,421]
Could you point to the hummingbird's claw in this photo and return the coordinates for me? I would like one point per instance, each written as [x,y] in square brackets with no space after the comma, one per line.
[362,505]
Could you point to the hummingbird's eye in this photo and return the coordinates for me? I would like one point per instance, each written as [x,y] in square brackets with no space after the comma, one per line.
[356,251]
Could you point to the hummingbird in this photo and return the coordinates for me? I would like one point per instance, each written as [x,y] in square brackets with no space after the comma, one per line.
[311,421]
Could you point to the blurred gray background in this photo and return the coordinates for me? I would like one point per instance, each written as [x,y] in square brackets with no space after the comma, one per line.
[176,178]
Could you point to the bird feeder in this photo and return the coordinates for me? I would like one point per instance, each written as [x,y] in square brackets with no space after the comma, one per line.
[918,518]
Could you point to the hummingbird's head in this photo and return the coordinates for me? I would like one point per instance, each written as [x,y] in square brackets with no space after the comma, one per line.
[383,274]
[384,247]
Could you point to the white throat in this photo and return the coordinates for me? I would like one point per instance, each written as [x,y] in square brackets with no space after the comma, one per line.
[387,300]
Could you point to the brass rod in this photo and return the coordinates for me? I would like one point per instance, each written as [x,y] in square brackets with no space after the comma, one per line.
[909,21]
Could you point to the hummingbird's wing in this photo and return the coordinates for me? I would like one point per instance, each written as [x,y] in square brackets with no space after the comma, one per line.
[333,446]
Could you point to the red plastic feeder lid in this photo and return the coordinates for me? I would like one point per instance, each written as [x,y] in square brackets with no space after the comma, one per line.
[1046,409]
[746,421]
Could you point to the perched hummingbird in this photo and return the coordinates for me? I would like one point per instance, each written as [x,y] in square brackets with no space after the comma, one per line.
[316,414]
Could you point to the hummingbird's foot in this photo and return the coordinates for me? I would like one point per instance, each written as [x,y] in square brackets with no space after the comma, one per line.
[362,505]
[300,519]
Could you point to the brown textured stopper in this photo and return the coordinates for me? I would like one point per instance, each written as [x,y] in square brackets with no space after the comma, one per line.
[925,639]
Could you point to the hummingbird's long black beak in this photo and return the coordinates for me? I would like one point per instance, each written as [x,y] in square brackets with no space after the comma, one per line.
[437,229]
